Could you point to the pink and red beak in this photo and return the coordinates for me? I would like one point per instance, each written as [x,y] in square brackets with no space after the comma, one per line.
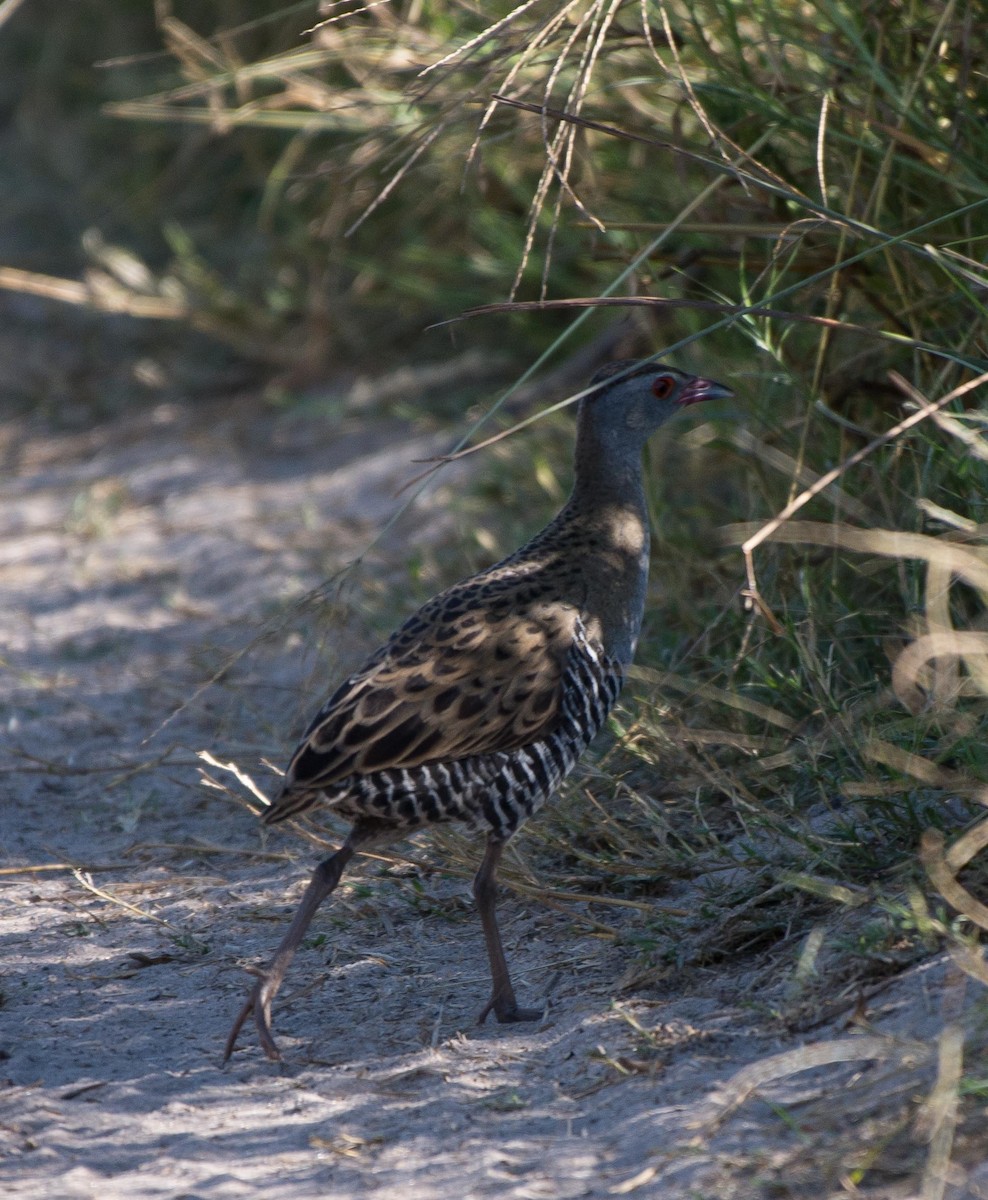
[703,389]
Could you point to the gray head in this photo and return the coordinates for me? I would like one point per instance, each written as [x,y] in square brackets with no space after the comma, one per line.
[632,399]
[635,398]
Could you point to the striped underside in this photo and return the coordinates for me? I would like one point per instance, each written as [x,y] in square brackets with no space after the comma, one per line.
[495,792]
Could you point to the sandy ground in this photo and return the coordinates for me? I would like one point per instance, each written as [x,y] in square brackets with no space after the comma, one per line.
[135,559]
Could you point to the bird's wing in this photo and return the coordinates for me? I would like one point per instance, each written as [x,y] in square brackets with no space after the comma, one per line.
[464,676]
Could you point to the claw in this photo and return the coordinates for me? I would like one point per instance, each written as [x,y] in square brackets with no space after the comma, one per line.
[324,879]
[507,1012]
[258,1003]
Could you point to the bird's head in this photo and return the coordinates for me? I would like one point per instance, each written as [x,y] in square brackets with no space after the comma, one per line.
[639,397]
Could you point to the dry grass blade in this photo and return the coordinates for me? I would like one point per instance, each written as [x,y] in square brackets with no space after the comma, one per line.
[794,471]
[969,844]
[536,43]
[335,18]
[486,35]
[683,75]
[657,143]
[736,1090]
[85,881]
[591,27]
[931,853]
[627,1186]
[757,176]
[838,892]
[967,646]
[876,749]
[207,848]
[98,292]
[42,868]
[936,1121]
[708,691]
[971,961]
[927,409]
[888,543]
[711,306]
[239,774]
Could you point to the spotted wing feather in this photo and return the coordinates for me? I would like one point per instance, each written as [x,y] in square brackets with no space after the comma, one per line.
[473,672]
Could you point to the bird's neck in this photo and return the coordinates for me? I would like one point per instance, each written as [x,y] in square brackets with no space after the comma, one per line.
[607,468]
[609,508]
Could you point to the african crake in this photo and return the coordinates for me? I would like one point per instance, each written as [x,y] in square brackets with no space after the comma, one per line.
[481,703]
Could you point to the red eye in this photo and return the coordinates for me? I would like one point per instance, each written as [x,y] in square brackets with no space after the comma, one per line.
[662,387]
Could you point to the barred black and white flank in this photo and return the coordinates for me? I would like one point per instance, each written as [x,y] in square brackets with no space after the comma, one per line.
[481,703]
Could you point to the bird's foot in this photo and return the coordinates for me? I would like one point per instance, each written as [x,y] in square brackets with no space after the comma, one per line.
[258,1003]
[507,1012]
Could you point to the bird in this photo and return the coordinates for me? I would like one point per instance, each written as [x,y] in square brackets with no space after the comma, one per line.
[479,705]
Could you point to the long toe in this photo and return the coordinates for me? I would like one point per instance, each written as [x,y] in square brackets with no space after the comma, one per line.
[262,996]
[258,1003]
[238,1024]
[506,1013]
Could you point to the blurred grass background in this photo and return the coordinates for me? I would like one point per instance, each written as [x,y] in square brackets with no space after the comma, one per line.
[236,190]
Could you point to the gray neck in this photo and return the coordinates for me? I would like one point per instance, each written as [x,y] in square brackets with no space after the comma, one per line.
[608,466]
[608,500]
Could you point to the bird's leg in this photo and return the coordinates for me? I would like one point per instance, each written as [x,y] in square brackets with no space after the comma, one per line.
[324,879]
[502,1002]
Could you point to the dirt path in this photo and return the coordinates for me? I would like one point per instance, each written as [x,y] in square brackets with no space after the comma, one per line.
[134,558]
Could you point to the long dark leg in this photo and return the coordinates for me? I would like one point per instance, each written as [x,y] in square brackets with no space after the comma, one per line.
[502,1001]
[324,879]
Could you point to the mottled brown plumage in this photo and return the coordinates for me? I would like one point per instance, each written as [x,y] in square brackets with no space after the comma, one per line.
[482,701]
[478,669]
